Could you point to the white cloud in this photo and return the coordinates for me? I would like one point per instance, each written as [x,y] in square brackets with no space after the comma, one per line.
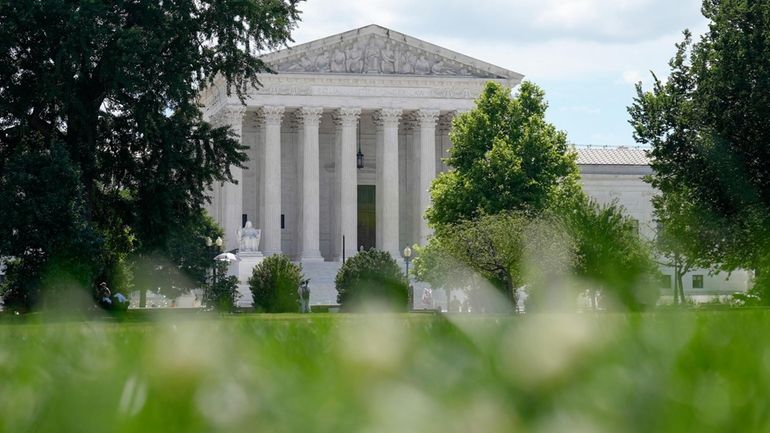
[605,18]
[570,59]
[572,38]
[586,53]
[520,20]
[632,76]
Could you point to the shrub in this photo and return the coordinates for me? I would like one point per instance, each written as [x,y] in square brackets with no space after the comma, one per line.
[274,284]
[371,277]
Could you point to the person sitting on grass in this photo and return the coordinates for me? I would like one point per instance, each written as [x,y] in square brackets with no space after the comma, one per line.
[120,302]
[110,302]
[104,296]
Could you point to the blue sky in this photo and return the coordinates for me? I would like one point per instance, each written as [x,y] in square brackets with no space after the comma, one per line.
[586,54]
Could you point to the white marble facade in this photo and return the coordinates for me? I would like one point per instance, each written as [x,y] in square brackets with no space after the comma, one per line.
[391,96]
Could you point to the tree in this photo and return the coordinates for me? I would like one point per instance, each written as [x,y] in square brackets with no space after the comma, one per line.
[274,284]
[182,262]
[434,264]
[40,192]
[105,93]
[492,246]
[707,126]
[371,278]
[610,253]
[221,293]
[508,166]
[679,238]
[505,157]
[507,249]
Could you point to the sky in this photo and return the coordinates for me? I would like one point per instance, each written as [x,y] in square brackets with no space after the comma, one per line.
[586,54]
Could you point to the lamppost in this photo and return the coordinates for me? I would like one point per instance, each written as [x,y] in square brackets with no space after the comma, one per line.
[407,257]
[209,247]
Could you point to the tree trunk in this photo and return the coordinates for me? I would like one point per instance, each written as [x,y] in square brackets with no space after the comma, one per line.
[82,131]
[679,285]
[511,292]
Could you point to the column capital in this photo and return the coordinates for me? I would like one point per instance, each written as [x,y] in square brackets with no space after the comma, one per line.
[427,117]
[387,117]
[309,115]
[445,122]
[347,116]
[272,114]
[229,115]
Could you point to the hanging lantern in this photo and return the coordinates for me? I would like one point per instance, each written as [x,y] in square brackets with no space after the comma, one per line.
[359,155]
[360,159]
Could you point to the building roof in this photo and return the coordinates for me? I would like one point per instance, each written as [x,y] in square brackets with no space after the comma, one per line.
[612,156]
[374,49]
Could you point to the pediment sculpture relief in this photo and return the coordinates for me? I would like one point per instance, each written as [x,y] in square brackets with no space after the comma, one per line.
[376,55]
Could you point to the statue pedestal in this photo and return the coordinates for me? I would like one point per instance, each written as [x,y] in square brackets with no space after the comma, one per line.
[247,264]
[243,269]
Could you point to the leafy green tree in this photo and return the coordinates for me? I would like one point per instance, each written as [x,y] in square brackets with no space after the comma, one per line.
[679,237]
[434,264]
[39,190]
[509,250]
[492,246]
[274,284]
[508,166]
[105,94]
[707,125]
[221,293]
[371,277]
[505,157]
[183,262]
[610,253]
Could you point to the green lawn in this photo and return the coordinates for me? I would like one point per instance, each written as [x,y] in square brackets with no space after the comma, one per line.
[672,371]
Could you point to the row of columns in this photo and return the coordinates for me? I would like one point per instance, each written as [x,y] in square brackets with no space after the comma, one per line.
[387,178]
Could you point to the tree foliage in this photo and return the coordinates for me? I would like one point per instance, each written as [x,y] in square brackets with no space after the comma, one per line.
[680,238]
[183,262]
[708,125]
[435,265]
[504,157]
[371,278]
[274,284]
[509,250]
[611,256]
[512,209]
[492,246]
[221,294]
[103,148]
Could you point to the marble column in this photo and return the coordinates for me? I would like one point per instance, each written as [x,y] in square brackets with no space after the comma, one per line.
[347,121]
[271,179]
[230,205]
[387,180]
[309,118]
[427,124]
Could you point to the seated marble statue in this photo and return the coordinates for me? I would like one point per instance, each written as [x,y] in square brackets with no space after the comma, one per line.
[249,238]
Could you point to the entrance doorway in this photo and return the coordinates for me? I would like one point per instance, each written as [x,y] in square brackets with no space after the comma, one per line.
[367,216]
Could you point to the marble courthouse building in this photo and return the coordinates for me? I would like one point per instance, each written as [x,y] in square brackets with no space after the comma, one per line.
[345,140]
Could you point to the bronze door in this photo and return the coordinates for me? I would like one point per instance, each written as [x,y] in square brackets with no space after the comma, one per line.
[367,216]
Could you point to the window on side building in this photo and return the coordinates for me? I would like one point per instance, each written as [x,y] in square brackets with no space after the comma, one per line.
[697,281]
[634,226]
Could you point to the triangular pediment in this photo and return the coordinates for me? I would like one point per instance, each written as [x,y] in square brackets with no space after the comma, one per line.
[379,51]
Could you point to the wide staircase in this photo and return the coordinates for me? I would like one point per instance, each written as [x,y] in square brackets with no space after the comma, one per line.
[322,291]
[322,274]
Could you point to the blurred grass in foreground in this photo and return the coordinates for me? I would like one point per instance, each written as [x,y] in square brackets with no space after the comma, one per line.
[661,372]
